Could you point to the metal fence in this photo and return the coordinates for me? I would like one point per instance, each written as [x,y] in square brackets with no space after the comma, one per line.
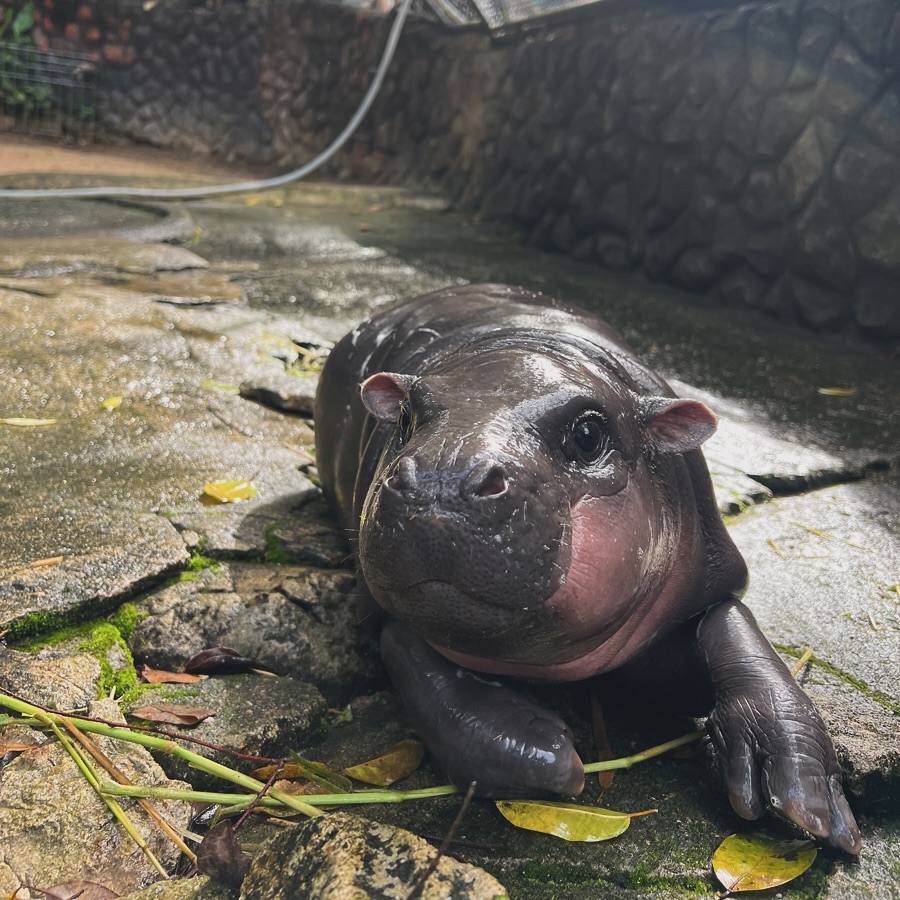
[47,92]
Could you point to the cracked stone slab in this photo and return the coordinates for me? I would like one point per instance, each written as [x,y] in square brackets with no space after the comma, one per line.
[101,486]
[55,828]
[102,562]
[861,728]
[255,714]
[297,620]
[52,679]
[342,856]
[823,570]
[76,253]
[750,463]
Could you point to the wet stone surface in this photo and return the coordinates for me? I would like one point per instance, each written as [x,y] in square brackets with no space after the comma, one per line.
[115,492]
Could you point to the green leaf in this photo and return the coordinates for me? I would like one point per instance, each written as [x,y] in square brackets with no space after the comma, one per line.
[23,22]
[753,862]
[568,821]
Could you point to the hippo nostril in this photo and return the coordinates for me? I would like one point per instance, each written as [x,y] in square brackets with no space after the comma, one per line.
[493,485]
[392,483]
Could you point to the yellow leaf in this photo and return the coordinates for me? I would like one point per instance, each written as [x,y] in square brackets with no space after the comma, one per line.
[229,491]
[753,862]
[252,200]
[112,402]
[220,386]
[28,423]
[401,760]
[838,391]
[568,821]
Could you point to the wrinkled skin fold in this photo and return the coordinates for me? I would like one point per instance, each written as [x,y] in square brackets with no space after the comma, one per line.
[531,504]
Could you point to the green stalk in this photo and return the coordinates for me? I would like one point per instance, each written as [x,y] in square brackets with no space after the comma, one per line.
[164,745]
[238,800]
[626,762]
[90,775]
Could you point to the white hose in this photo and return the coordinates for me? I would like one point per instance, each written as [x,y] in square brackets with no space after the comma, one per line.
[242,186]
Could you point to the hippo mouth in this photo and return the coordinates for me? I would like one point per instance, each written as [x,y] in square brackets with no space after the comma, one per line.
[449,617]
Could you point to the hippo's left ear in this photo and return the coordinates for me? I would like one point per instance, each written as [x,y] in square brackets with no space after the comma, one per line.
[675,426]
[383,393]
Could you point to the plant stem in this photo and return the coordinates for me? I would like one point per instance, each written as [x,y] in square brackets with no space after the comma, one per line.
[355,799]
[91,776]
[626,762]
[164,746]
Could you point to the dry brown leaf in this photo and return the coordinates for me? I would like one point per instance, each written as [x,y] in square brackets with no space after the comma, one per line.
[172,714]
[160,676]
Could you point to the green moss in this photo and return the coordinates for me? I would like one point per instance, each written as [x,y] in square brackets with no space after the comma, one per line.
[98,638]
[560,874]
[852,680]
[35,624]
[198,563]
[640,879]
[122,683]
[181,577]
[126,618]
[275,552]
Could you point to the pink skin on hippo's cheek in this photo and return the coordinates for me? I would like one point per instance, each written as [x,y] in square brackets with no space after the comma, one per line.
[611,540]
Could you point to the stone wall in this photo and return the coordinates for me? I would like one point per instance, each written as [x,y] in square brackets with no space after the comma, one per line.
[750,153]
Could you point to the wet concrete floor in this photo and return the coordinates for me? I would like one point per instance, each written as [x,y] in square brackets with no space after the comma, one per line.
[128,328]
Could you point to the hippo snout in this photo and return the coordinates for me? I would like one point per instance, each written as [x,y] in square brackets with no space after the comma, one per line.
[483,480]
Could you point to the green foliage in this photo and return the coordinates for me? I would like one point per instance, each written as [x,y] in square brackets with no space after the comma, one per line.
[17,59]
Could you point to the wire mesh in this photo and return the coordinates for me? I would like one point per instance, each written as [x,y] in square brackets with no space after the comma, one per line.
[47,92]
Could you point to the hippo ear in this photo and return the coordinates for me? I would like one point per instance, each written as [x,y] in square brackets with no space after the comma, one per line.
[674,425]
[382,394]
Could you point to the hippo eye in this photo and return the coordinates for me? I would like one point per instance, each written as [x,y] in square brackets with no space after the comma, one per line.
[587,436]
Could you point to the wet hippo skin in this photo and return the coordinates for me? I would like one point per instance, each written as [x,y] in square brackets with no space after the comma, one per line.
[531,504]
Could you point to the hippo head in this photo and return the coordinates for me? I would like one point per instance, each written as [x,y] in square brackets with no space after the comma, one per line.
[526,515]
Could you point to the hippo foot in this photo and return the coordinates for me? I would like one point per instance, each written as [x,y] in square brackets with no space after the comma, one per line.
[479,728]
[785,761]
[773,746]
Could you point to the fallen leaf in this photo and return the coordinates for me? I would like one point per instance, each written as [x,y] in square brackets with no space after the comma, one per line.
[333,782]
[401,760]
[224,661]
[173,714]
[15,748]
[27,423]
[220,386]
[112,402]
[753,862]
[837,391]
[220,857]
[229,491]
[296,789]
[49,561]
[569,821]
[78,890]
[160,676]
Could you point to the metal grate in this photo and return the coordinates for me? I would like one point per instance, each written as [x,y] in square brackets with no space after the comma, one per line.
[498,13]
[47,92]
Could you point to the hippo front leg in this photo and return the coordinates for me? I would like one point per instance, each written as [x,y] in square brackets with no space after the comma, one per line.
[772,744]
[478,728]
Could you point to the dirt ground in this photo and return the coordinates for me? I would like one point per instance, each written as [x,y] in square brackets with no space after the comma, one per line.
[20,154]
